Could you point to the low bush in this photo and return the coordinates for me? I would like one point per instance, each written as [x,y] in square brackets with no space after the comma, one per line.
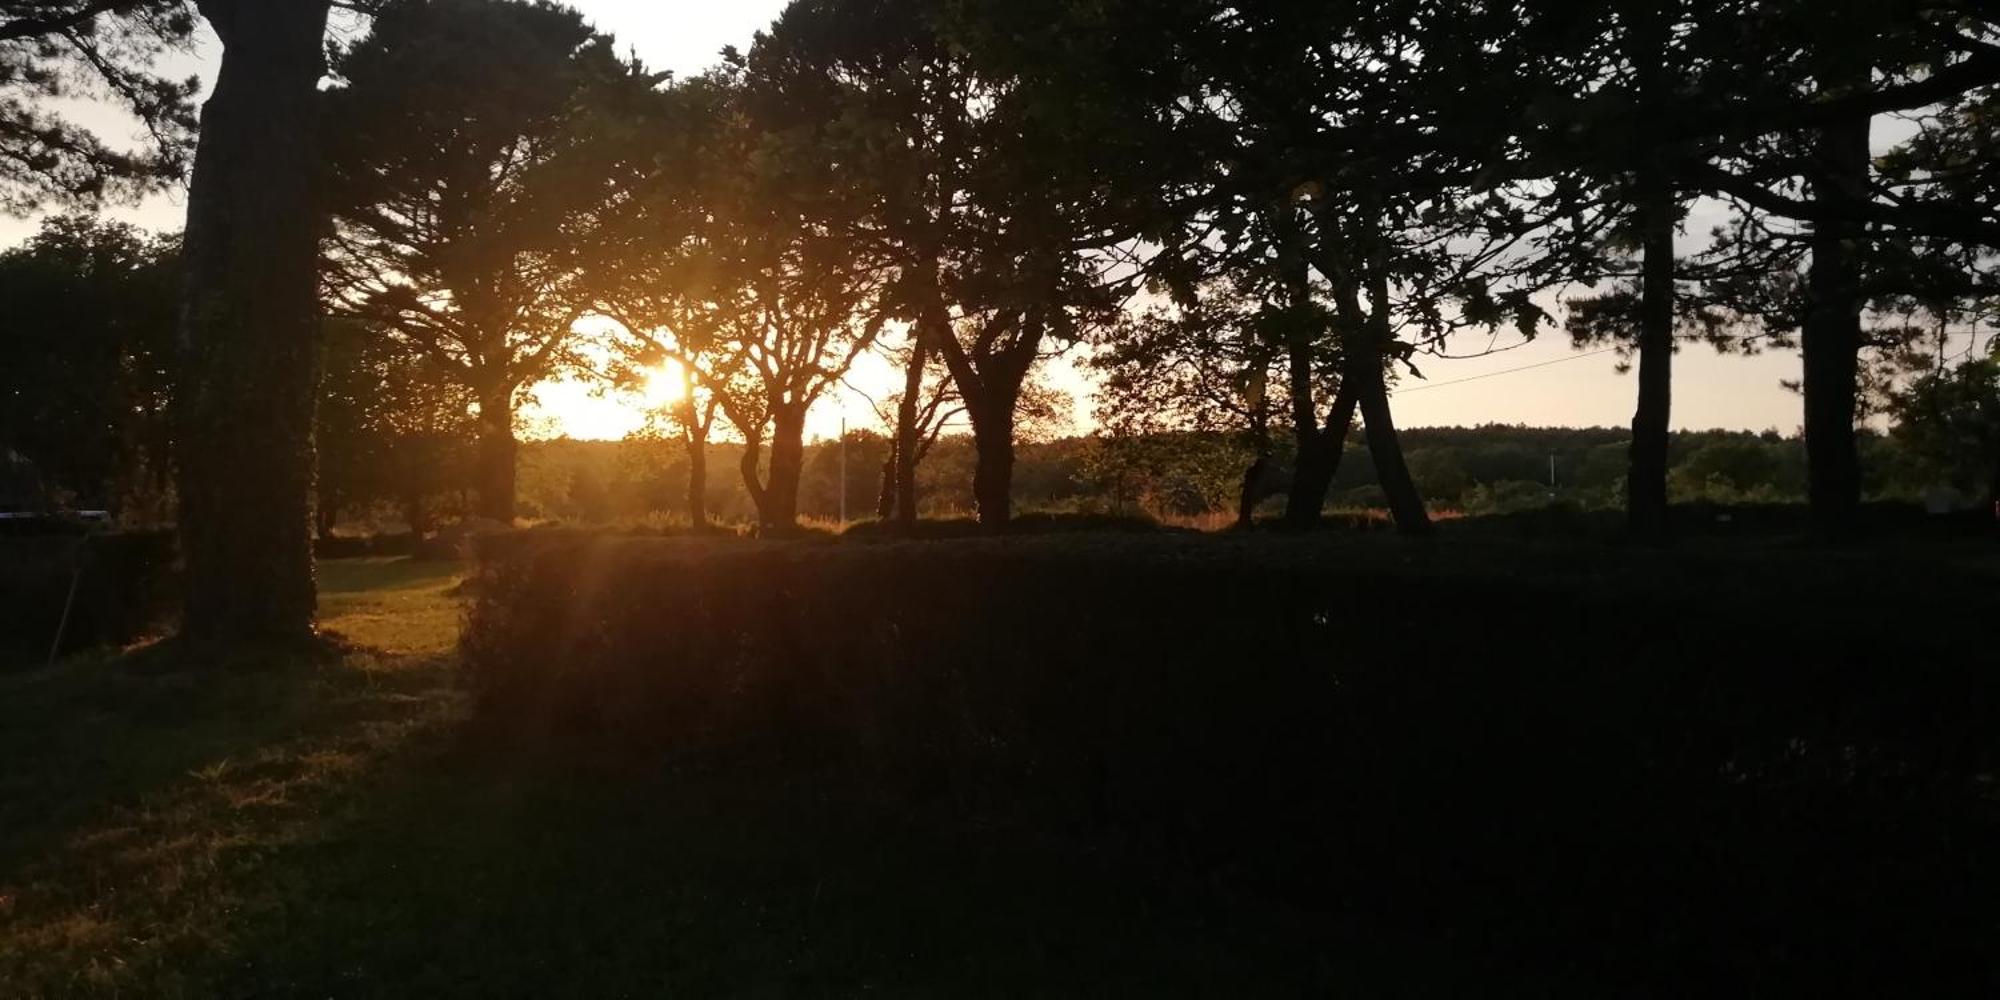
[123,588]
[1622,761]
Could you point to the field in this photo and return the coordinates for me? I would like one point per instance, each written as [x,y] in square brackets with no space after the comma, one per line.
[354,827]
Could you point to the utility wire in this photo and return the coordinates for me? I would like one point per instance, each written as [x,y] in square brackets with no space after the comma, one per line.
[1510,371]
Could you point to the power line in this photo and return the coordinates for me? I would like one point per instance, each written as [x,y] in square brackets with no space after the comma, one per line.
[1510,371]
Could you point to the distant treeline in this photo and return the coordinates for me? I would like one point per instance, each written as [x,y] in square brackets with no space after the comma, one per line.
[1477,470]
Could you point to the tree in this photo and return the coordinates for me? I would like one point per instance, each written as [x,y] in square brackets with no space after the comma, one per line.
[1216,365]
[88,333]
[734,261]
[1951,420]
[464,195]
[99,50]
[392,428]
[974,191]
[917,415]
[249,328]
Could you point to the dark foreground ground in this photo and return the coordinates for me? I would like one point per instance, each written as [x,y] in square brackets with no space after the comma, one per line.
[337,829]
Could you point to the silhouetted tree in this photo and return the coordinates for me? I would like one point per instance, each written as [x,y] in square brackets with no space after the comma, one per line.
[88,333]
[392,428]
[464,198]
[92,50]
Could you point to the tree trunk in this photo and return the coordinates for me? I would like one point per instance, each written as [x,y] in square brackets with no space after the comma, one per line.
[497,449]
[697,489]
[993,478]
[1247,499]
[779,511]
[1406,502]
[1318,449]
[904,450]
[249,330]
[1646,479]
[325,517]
[751,466]
[416,515]
[1312,472]
[1385,446]
[1320,457]
[1832,341]
[885,493]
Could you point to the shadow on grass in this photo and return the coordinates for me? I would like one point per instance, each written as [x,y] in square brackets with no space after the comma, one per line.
[331,829]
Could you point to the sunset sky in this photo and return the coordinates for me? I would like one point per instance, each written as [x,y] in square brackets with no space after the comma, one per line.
[686,36]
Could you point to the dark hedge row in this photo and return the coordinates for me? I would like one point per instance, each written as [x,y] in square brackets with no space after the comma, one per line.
[124,591]
[1760,769]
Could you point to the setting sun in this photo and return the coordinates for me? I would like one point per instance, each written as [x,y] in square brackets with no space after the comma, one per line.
[593,412]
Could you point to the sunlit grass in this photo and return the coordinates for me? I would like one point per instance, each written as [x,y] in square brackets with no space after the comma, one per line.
[143,801]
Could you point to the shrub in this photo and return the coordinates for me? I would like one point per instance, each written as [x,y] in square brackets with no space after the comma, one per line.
[1556,738]
[124,589]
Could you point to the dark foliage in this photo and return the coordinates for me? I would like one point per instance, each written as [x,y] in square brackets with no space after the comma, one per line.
[123,591]
[1612,768]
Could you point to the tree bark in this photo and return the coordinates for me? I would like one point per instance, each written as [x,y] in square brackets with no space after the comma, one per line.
[904,451]
[697,486]
[1406,502]
[1319,449]
[695,435]
[249,330]
[1646,478]
[993,478]
[1319,458]
[1312,474]
[885,493]
[778,498]
[497,454]
[1385,446]
[1832,342]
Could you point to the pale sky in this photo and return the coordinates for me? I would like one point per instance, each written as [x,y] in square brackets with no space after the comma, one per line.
[687,36]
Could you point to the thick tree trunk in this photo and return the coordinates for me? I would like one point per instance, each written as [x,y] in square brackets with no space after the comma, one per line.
[993,478]
[1832,341]
[904,452]
[497,454]
[249,330]
[885,491]
[779,510]
[1646,479]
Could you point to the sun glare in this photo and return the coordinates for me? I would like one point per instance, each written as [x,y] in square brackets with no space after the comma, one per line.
[567,408]
[663,386]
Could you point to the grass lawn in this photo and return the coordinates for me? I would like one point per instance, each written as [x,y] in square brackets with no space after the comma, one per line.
[331,830]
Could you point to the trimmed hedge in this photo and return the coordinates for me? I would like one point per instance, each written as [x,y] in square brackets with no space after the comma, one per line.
[125,590]
[1595,763]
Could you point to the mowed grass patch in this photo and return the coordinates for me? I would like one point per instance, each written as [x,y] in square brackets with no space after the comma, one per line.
[148,804]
